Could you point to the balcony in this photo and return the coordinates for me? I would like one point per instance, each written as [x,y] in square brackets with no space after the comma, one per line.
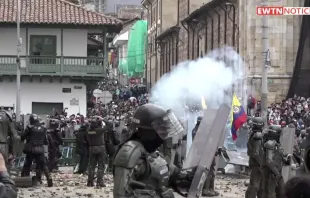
[54,66]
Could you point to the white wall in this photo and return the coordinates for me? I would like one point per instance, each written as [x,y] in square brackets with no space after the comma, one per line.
[75,40]
[43,92]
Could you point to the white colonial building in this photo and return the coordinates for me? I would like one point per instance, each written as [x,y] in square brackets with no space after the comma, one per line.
[60,58]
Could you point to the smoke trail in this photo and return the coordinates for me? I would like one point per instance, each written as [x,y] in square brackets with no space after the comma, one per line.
[206,77]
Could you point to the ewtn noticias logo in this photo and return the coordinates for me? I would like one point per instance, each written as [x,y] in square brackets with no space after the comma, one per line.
[277,10]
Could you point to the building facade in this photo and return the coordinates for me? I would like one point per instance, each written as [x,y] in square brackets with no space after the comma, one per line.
[57,69]
[188,29]
[121,43]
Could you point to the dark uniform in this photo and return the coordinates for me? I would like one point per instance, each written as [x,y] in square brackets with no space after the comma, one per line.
[82,149]
[7,129]
[54,141]
[111,141]
[275,159]
[35,136]
[255,153]
[97,153]
[141,171]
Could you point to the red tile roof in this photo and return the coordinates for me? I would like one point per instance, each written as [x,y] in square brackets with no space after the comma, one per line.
[52,12]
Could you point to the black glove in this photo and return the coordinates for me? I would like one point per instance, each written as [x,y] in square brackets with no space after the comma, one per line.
[219,151]
[185,177]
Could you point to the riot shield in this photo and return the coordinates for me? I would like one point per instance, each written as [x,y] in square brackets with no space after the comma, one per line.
[287,141]
[214,134]
[200,140]
[238,158]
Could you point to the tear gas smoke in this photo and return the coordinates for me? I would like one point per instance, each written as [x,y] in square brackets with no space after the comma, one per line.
[207,77]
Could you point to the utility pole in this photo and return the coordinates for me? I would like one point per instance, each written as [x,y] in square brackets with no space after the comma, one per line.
[266,63]
[18,63]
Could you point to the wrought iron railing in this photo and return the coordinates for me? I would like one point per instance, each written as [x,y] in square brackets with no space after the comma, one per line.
[50,65]
[68,157]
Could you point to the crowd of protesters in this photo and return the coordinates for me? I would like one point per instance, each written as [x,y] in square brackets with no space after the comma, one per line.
[291,111]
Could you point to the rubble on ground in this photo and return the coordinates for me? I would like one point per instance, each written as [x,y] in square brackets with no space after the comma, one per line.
[68,185]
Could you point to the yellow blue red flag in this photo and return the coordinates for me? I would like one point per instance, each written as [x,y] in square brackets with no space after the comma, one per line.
[237,118]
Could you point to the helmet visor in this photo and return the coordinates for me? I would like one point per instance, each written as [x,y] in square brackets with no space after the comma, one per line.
[168,126]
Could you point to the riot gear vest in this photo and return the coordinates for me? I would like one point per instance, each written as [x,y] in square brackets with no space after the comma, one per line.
[153,175]
[276,159]
[37,135]
[158,173]
[95,137]
[253,138]
[255,148]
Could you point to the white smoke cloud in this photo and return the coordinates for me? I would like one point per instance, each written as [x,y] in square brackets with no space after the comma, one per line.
[206,77]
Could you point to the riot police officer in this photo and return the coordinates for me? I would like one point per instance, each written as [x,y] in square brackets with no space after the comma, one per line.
[82,148]
[139,170]
[7,129]
[275,159]
[255,153]
[54,141]
[97,153]
[111,140]
[35,136]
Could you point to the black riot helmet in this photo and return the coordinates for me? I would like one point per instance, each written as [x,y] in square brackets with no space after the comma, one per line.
[93,123]
[257,124]
[274,132]
[54,123]
[109,124]
[152,125]
[34,119]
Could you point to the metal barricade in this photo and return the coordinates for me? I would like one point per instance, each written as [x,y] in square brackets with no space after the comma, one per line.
[68,157]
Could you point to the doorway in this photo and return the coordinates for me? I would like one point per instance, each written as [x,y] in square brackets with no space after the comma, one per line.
[46,108]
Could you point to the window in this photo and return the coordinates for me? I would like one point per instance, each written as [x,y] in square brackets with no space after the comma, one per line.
[153,14]
[66,90]
[149,18]
[77,87]
[154,43]
[41,45]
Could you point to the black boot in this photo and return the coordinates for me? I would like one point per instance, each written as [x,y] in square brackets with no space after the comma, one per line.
[49,182]
[90,184]
[100,184]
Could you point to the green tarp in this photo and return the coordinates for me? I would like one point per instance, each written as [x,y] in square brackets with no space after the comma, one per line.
[123,66]
[136,49]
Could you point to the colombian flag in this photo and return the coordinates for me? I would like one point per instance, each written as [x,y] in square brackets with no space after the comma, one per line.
[237,118]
